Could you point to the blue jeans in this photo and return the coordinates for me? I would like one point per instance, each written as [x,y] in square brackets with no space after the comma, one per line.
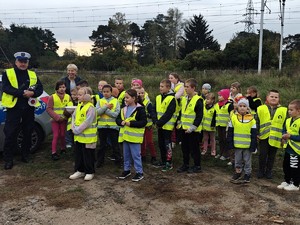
[132,151]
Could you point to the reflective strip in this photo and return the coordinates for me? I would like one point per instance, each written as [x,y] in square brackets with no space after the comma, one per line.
[275,138]
[159,113]
[247,143]
[134,134]
[265,132]
[58,108]
[276,129]
[187,124]
[207,119]
[188,116]
[223,121]
[107,120]
[242,135]
[86,135]
[292,143]
[265,125]
[222,115]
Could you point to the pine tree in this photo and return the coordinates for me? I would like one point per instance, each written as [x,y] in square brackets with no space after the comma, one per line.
[197,37]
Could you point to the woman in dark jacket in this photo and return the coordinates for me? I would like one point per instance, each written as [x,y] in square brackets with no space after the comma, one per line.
[72,79]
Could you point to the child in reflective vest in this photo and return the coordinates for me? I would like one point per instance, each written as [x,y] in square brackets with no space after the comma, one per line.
[291,144]
[132,121]
[69,133]
[241,137]
[55,108]
[84,127]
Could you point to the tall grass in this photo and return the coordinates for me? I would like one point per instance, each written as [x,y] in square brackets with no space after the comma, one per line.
[288,85]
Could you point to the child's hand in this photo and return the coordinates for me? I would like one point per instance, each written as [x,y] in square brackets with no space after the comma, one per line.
[110,106]
[286,136]
[127,123]
[123,123]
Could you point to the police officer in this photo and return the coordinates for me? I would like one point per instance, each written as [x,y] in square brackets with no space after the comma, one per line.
[20,88]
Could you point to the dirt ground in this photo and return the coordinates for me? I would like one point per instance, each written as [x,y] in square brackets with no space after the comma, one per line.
[41,193]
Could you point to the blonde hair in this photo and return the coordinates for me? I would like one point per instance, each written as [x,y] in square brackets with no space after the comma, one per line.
[72,67]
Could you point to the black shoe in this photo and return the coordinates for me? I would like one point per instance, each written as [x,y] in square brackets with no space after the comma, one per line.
[55,157]
[247,178]
[195,169]
[260,174]
[137,177]
[63,152]
[236,178]
[124,175]
[158,164]
[269,175]
[183,168]
[8,165]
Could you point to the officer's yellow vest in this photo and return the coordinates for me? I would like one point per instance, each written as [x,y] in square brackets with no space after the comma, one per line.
[271,129]
[89,135]
[121,97]
[105,120]
[207,119]
[188,114]
[58,105]
[161,108]
[222,115]
[130,134]
[69,124]
[146,102]
[10,101]
[242,131]
[293,129]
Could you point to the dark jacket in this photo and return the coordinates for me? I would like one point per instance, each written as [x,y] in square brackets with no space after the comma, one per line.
[23,84]
[67,82]
[254,104]
[140,119]
[169,112]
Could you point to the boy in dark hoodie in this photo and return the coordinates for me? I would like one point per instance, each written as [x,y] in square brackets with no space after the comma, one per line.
[165,107]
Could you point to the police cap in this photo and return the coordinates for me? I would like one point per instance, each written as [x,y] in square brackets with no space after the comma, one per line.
[22,56]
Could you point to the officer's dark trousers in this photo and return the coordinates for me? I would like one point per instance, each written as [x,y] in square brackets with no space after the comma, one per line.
[16,119]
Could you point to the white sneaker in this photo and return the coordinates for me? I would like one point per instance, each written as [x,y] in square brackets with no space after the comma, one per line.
[76,175]
[217,156]
[68,146]
[254,152]
[88,177]
[223,158]
[291,187]
[283,185]
[229,164]
[173,145]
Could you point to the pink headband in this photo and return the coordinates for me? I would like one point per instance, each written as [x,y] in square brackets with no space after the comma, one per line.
[138,81]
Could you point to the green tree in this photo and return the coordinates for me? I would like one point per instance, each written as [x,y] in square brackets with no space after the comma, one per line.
[197,36]
[102,39]
[201,59]
[69,54]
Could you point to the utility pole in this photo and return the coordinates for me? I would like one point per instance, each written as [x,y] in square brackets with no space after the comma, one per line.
[262,11]
[281,38]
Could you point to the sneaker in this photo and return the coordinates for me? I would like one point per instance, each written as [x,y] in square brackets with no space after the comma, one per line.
[112,158]
[89,177]
[223,158]
[283,185]
[76,175]
[68,146]
[229,164]
[167,167]
[173,145]
[195,169]
[247,178]
[124,175]
[217,156]
[55,156]
[255,152]
[236,177]
[183,168]
[203,152]
[137,177]
[291,187]
[158,164]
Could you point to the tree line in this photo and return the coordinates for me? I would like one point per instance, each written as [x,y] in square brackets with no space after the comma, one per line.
[166,41]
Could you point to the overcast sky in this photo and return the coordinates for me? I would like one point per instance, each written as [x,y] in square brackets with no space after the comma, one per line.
[72,21]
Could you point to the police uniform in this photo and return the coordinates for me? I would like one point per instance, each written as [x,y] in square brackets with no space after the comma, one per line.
[19,114]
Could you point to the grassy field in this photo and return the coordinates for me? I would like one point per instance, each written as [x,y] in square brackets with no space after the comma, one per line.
[287,84]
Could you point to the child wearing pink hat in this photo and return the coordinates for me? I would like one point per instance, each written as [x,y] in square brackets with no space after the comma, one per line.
[223,109]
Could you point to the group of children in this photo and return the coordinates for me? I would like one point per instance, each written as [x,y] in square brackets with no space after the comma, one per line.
[125,120]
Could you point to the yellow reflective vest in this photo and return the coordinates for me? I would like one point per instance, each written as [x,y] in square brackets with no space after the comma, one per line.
[146,102]
[188,114]
[89,135]
[271,129]
[121,97]
[59,105]
[131,134]
[106,120]
[10,101]
[69,123]
[242,131]
[293,129]
[222,115]
[161,108]
[207,118]
[254,100]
